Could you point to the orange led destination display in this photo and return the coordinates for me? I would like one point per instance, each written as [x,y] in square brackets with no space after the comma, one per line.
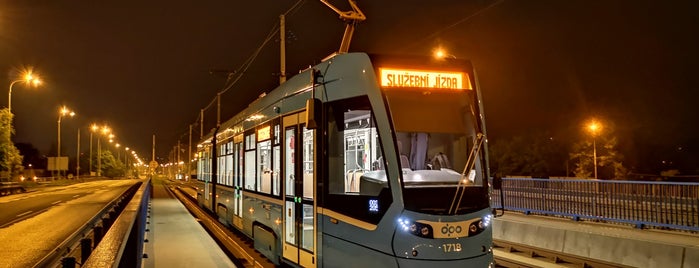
[263,133]
[423,79]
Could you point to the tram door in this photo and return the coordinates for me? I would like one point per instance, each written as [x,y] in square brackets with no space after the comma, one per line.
[299,212]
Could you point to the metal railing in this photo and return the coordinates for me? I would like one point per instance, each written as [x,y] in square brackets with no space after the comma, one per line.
[92,231]
[7,188]
[122,245]
[643,204]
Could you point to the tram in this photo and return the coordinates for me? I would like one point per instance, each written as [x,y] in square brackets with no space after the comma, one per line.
[359,161]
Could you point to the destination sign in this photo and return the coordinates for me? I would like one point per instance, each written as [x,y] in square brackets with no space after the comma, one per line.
[263,133]
[393,78]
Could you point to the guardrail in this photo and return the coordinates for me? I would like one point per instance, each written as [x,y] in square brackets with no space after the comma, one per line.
[90,232]
[122,245]
[8,188]
[642,204]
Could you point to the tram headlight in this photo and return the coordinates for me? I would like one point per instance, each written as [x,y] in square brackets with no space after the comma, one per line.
[485,222]
[479,226]
[415,228]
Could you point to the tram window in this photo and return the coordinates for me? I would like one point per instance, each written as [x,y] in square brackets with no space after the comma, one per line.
[308,163]
[264,159]
[276,167]
[357,183]
[250,162]
[225,164]
[250,142]
[289,159]
[277,134]
[356,155]
[238,163]
[276,160]
[204,166]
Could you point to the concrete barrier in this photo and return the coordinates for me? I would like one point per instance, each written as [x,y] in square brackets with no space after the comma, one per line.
[616,244]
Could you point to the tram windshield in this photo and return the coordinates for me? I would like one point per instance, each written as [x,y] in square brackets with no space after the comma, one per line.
[436,138]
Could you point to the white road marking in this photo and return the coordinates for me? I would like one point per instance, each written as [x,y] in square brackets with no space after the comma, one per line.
[59,201]
[25,213]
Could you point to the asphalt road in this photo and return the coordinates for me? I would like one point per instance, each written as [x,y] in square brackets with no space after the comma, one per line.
[35,223]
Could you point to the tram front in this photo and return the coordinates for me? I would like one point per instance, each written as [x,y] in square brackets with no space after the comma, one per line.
[439,137]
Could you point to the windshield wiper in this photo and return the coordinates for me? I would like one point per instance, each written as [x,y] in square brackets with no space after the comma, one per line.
[463,181]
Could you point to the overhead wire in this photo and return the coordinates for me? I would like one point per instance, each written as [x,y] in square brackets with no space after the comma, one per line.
[248,62]
[462,20]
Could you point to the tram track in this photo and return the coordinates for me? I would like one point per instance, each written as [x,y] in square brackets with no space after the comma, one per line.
[236,245]
[507,254]
[510,255]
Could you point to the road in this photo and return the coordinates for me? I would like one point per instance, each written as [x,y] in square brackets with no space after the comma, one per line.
[35,223]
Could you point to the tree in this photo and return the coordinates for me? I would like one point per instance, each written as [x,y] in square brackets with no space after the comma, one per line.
[10,159]
[535,154]
[609,160]
[111,167]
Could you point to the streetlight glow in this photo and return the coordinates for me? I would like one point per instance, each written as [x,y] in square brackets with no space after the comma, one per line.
[594,127]
[439,53]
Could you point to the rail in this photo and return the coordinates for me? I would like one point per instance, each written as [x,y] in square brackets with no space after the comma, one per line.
[122,245]
[509,254]
[643,204]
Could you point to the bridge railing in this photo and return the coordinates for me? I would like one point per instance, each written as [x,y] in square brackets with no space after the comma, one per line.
[122,245]
[643,204]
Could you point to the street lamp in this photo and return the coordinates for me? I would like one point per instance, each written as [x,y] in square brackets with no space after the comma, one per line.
[77,158]
[441,54]
[93,128]
[118,151]
[105,131]
[594,128]
[126,162]
[61,113]
[29,79]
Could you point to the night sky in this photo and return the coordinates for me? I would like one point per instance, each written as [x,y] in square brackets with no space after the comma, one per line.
[143,67]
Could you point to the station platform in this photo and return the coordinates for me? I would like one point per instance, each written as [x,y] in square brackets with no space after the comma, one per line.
[613,243]
[175,238]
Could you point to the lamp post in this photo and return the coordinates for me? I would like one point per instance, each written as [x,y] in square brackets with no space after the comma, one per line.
[118,151]
[77,158]
[126,164]
[62,112]
[105,131]
[93,128]
[28,78]
[594,127]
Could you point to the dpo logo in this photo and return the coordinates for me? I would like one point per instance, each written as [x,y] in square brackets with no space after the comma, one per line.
[450,230]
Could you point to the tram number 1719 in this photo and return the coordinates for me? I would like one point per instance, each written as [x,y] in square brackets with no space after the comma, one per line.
[451,247]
